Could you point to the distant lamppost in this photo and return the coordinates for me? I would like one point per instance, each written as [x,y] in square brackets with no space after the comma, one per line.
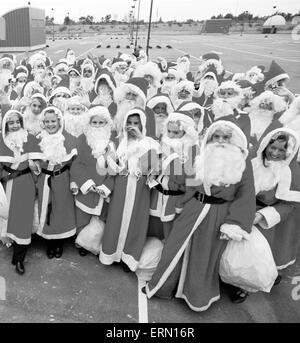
[68,25]
[149,28]
[137,27]
[52,9]
[132,29]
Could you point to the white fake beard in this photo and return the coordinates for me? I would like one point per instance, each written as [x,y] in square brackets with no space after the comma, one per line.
[87,83]
[260,120]
[181,146]
[32,122]
[266,178]
[208,86]
[130,151]
[5,74]
[159,125]
[74,84]
[98,139]
[167,86]
[61,104]
[104,96]
[220,165]
[74,124]
[39,75]
[53,147]
[123,108]
[15,140]
[223,107]
[120,78]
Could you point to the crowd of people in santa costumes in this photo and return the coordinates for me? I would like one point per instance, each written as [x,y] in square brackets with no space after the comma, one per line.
[153,166]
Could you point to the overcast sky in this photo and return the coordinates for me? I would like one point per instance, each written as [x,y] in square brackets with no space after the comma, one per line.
[167,9]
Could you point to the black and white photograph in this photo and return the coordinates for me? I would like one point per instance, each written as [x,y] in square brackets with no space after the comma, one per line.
[149,164]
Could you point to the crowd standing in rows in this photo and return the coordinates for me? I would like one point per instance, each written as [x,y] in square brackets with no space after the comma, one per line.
[152,166]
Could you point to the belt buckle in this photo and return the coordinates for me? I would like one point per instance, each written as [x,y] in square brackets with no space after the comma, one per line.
[201,197]
[56,173]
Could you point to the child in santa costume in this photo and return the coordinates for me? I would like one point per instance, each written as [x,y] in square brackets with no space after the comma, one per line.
[92,171]
[183,91]
[16,147]
[179,146]
[75,116]
[128,214]
[220,206]
[56,202]
[277,185]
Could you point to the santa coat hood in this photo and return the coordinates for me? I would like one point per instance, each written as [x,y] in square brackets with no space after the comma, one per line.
[290,118]
[161,98]
[283,191]
[191,105]
[149,68]
[106,75]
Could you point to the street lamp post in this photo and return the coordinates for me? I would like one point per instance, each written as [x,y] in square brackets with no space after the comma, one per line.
[52,9]
[149,28]
[68,25]
[137,27]
[132,30]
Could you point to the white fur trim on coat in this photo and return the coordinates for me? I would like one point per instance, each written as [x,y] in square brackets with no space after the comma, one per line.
[234,232]
[271,216]
[85,187]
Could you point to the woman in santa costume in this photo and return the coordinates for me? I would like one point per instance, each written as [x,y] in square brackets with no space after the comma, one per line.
[128,214]
[179,145]
[220,206]
[56,202]
[92,171]
[277,186]
[15,147]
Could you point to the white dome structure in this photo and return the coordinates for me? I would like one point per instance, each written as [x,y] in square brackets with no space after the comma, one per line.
[275,20]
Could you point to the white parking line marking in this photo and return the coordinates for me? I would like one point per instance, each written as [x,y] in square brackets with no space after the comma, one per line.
[142,302]
[2,288]
[254,53]
[58,51]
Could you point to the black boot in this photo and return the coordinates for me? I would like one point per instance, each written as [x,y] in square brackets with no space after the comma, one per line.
[59,247]
[83,252]
[19,253]
[20,269]
[50,249]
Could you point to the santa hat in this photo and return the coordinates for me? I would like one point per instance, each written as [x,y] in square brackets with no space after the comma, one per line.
[87,65]
[257,71]
[20,71]
[136,84]
[274,74]
[100,111]
[77,100]
[179,75]
[292,115]
[37,57]
[186,122]
[30,88]
[162,64]
[149,68]
[6,117]
[141,113]
[210,56]
[212,71]
[8,58]
[229,85]
[62,87]
[161,98]
[76,69]
[246,86]
[117,61]
[278,103]
[57,111]
[104,74]
[211,59]
[68,51]
[62,63]
[188,106]
[185,84]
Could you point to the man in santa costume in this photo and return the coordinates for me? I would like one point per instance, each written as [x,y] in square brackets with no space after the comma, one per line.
[61,67]
[7,66]
[55,199]
[20,78]
[182,91]
[70,57]
[263,110]
[16,146]
[128,95]
[179,145]
[210,59]
[92,180]
[171,77]
[219,206]
[152,74]
[183,65]
[128,214]
[255,74]
[120,71]
[75,116]
[162,106]
[88,73]
[74,73]
[196,112]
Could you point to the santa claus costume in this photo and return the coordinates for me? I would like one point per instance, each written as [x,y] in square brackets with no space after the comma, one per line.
[16,149]
[75,116]
[224,202]
[177,160]
[93,169]
[55,200]
[128,214]
[277,185]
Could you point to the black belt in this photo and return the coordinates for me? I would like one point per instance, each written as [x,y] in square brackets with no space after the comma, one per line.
[53,173]
[207,199]
[13,173]
[168,192]
[260,203]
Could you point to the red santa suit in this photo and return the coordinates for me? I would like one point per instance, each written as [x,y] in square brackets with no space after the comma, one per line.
[169,187]
[128,214]
[55,200]
[277,187]
[225,201]
[94,166]
[18,183]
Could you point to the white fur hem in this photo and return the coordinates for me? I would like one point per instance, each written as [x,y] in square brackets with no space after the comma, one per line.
[272,217]
[19,240]
[94,211]
[58,236]
[285,265]
[202,308]
[86,186]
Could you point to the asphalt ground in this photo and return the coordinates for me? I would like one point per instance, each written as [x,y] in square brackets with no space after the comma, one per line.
[76,289]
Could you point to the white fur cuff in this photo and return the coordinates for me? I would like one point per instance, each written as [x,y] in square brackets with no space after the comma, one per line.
[86,186]
[234,232]
[105,190]
[271,216]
